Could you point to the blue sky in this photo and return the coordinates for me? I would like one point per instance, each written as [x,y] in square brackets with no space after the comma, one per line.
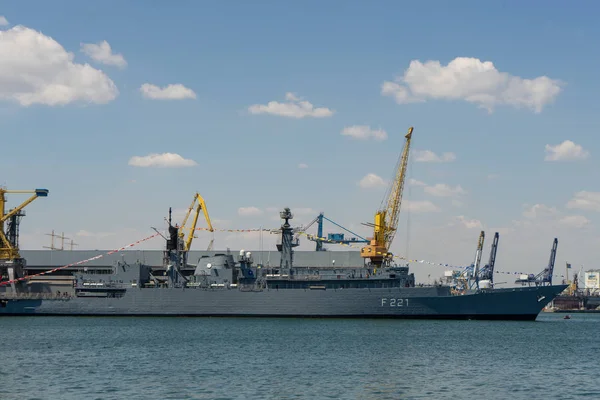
[337,56]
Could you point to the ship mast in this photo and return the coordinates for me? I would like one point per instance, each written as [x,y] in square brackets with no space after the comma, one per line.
[287,242]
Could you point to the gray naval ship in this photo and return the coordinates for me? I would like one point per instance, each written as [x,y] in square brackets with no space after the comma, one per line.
[234,285]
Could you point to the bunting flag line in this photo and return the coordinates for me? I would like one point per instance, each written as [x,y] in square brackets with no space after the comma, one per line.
[79,262]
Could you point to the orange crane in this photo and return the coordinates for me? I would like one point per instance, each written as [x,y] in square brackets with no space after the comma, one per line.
[386,218]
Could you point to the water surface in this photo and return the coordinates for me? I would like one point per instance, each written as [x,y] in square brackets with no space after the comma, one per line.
[256,358]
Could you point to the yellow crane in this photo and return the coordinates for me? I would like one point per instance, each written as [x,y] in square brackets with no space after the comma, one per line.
[197,205]
[9,245]
[386,218]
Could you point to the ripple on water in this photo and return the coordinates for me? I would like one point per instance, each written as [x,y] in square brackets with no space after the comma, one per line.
[187,358]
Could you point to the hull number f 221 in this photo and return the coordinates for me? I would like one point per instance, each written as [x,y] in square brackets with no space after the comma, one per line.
[393,302]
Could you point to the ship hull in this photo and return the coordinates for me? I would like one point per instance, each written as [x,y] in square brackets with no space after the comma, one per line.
[524,303]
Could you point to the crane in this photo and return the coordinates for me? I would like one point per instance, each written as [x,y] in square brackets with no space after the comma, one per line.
[335,238]
[544,277]
[10,258]
[386,218]
[199,204]
[487,272]
[477,262]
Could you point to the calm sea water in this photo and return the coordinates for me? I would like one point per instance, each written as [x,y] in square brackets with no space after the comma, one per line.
[223,358]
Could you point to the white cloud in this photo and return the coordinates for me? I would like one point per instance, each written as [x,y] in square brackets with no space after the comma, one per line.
[469,223]
[170,92]
[35,69]
[575,221]
[3,21]
[565,151]
[293,108]
[539,211]
[102,53]
[430,156]
[302,165]
[415,182]
[364,132]
[443,190]
[471,80]
[372,181]
[493,176]
[585,201]
[249,211]
[419,206]
[164,160]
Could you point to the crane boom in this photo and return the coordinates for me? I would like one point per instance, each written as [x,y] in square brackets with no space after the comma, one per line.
[386,218]
[477,261]
[201,205]
[9,250]
[487,272]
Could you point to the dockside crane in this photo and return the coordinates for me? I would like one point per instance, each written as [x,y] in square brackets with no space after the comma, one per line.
[487,272]
[475,271]
[386,218]
[198,204]
[333,238]
[545,277]
[11,262]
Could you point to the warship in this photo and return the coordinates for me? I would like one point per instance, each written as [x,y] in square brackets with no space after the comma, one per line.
[234,285]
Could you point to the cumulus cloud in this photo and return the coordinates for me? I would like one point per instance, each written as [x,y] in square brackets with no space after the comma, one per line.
[469,223]
[102,53]
[36,69]
[443,190]
[164,160]
[372,181]
[419,206]
[575,221]
[249,211]
[170,92]
[364,132]
[302,165]
[539,211]
[471,80]
[3,21]
[585,200]
[430,156]
[565,151]
[293,108]
[415,182]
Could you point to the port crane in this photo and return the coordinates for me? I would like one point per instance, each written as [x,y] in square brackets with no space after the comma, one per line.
[11,262]
[545,277]
[487,272]
[334,238]
[198,204]
[386,218]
